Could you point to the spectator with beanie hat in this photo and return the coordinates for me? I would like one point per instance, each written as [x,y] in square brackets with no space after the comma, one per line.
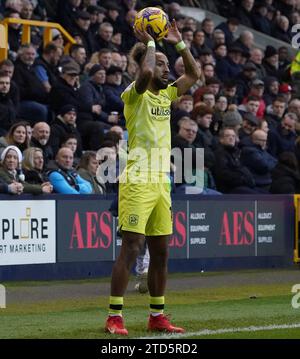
[271,62]
[63,125]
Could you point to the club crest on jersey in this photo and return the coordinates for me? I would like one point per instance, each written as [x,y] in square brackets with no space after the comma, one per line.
[133,219]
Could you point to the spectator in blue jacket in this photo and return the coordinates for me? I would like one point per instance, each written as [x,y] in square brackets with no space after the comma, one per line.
[64,178]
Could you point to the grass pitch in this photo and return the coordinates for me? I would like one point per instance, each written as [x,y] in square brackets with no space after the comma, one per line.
[243,311]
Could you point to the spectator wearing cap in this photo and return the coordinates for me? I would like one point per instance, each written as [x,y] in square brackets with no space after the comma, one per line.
[271,90]
[82,28]
[230,66]
[33,95]
[249,125]
[93,96]
[244,12]
[258,160]
[257,89]
[57,38]
[256,57]
[113,14]
[243,80]
[229,28]
[113,89]
[45,67]
[63,125]
[283,138]
[66,92]
[232,119]
[286,91]
[104,36]
[271,62]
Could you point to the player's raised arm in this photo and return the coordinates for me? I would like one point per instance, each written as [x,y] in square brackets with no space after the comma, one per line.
[192,71]
[146,62]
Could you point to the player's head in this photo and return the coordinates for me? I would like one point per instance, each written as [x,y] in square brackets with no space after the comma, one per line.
[160,78]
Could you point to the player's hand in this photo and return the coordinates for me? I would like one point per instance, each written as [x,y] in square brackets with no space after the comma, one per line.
[143,36]
[174,35]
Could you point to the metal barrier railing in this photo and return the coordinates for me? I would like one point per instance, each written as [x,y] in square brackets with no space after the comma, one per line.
[26,34]
[297,224]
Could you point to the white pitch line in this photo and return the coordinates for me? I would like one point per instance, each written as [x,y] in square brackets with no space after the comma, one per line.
[207,332]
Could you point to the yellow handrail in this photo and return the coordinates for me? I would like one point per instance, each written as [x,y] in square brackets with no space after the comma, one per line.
[297,220]
[26,34]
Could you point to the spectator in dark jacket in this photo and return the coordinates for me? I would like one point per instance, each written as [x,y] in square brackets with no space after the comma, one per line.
[63,125]
[66,92]
[7,67]
[45,66]
[66,12]
[33,95]
[33,168]
[92,95]
[7,108]
[82,29]
[258,160]
[286,175]
[283,138]
[40,138]
[260,20]
[113,90]
[271,62]
[244,12]
[229,28]
[229,67]
[230,175]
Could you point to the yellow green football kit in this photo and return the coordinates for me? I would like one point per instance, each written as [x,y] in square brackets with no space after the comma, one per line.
[144,189]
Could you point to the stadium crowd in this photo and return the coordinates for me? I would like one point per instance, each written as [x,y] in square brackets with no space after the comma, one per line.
[57,111]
